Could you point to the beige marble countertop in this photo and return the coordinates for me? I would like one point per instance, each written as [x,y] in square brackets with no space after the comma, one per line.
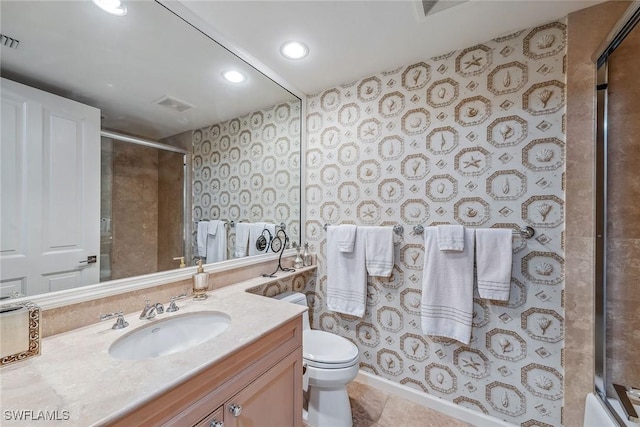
[76,376]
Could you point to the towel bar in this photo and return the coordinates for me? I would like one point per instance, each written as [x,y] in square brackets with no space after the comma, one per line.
[525,232]
[398,229]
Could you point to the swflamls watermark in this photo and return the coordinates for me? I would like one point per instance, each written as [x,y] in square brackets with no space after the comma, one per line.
[35,415]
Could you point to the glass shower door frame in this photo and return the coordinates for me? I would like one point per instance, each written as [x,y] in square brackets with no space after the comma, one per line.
[624,26]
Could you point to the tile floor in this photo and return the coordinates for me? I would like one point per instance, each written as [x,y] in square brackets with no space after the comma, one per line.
[372,407]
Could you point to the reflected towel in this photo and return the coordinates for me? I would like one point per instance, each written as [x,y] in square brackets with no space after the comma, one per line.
[378,250]
[451,237]
[346,275]
[494,254]
[447,288]
[201,238]
[242,239]
[217,241]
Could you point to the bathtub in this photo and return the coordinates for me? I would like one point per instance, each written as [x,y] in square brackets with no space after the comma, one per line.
[467,415]
[595,414]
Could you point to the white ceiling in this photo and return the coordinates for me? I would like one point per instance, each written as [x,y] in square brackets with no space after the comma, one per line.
[123,65]
[349,40]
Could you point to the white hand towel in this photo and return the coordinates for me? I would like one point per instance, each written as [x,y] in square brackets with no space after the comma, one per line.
[451,237]
[346,275]
[255,231]
[217,242]
[347,238]
[201,238]
[242,239]
[447,288]
[493,260]
[378,250]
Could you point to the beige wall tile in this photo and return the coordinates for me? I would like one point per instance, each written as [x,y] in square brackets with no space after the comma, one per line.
[586,29]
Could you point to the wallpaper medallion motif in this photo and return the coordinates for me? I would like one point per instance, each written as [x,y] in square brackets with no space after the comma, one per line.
[473,137]
[247,170]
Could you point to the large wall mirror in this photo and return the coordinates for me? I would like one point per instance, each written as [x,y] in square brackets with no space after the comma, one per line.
[177,153]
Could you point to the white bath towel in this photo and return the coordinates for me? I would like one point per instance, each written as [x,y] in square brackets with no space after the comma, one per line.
[201,238]
[447,288]
[451,237]
[346,275]
[494,255]
[255,231]
[217,241]
[242,239]
[347,238]
[378,250]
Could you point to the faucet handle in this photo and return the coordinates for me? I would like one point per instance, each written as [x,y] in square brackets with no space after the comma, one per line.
[172,305]
[120,322]
[159,308]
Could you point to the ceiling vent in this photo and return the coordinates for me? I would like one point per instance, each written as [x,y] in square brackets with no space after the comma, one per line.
[429,7]
[174,104]
[9,41]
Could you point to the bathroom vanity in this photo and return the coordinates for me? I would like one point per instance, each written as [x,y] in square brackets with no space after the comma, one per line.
[259,384]
[249,374]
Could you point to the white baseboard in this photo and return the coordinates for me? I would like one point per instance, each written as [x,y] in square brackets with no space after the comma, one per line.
[446,407]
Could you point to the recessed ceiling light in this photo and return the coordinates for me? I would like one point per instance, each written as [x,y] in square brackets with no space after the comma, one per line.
[294,50]
[234,76]
[114,7]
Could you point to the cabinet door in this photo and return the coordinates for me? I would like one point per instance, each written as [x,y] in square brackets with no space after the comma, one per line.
[273,400]
[215,419]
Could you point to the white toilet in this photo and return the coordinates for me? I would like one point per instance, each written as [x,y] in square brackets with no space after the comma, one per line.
[331,363]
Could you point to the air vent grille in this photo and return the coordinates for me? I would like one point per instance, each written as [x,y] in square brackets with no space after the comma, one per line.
[174,104]
[9,42]
[429,7]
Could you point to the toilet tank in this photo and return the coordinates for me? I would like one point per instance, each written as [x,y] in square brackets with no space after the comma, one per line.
[296,298]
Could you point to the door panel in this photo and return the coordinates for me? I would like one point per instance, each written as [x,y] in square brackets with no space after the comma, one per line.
[53,156]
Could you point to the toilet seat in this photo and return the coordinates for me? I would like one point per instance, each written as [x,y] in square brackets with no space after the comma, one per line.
[325,350]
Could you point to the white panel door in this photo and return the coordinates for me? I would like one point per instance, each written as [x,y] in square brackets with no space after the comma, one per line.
[50,191]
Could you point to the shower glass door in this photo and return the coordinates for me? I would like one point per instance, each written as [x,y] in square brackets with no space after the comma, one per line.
[618,221]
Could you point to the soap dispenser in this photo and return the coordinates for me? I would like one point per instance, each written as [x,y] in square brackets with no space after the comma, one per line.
[298,262]
[200,283]
[306,256]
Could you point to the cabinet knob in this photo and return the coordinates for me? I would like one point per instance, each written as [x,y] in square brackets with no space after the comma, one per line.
[235,409]
[216,423]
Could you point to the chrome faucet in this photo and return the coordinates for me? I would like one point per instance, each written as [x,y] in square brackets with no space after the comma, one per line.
[149,311]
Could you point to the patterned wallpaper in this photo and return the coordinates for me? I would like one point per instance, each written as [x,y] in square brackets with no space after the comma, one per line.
[473,137]
[247,169]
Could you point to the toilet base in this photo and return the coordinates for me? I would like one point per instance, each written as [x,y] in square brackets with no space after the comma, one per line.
[337,409]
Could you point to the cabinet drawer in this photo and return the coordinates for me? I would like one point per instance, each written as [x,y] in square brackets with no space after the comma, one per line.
[215,419]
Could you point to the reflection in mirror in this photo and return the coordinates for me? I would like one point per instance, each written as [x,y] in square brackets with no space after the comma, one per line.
[138,101]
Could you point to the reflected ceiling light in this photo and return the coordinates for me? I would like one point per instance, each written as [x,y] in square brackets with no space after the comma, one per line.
[114,7]
[234,76]
[294,50]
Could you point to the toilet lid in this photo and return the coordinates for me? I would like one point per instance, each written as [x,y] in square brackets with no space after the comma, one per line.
[327,348]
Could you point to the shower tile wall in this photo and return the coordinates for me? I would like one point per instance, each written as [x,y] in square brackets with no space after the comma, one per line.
[247,169]
[134,210]
[473,137]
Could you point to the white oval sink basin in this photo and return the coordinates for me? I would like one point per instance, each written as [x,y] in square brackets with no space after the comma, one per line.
[168,336]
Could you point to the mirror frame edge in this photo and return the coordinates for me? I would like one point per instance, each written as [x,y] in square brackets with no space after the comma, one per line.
[62,298]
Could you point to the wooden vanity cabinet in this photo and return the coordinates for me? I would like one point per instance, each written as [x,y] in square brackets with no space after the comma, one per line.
[262,382]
